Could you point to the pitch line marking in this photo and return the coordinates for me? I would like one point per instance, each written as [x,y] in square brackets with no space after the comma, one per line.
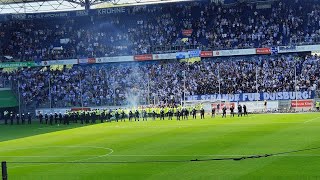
[310,120]
[93,147]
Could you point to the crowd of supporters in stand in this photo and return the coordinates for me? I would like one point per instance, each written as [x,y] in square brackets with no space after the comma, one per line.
[147,28]
[146,82]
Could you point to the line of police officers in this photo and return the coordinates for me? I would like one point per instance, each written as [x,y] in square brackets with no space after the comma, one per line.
[86,117]
[11,117]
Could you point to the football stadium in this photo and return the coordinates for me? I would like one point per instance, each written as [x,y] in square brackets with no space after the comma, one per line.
[159,89]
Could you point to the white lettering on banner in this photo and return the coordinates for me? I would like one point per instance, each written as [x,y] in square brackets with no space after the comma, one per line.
[255,96]
[82,13]
[19,16]
[111,11]
[237,52]
[115,59]
[164,56]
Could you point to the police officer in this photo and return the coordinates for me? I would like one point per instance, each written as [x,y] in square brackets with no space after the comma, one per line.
[231,111]
[40,118]
[23,119]
[178,115]
[213,112]
[56,118]
[245,110]
[65,119]
[194,113]
[51,119]
[6,114]
[46,117]
[144,115]
[123,116]
[161,114]
[18,118]
[130,115]
[136,115]
[170,114]
[60,118]
[153,115]
[117,115]
[202,113]
[224,112]
[29,118]
[239,110]
[11,118]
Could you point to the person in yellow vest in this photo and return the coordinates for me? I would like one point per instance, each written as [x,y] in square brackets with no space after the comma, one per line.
[317,105]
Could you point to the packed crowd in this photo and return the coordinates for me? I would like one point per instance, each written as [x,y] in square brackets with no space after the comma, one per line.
[167,81]
[145,28]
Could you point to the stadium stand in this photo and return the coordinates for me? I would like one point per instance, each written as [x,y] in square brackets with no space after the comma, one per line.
[162,28]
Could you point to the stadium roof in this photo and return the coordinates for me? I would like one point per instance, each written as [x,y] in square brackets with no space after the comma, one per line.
[36,6]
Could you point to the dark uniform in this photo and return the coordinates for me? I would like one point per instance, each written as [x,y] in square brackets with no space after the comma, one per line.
[194,113]
[41,118]
[202,113]
[123,116]
[51,119]
[65,119]
[11,118]
[23,119]
[29,118]
[55,118]
[60,118]
[153,115]
[103,116]
[18,118]
[117,115]
[178,115]
[239,110]
[245,110]
[213,112]
[136,115]
[162,114]
[144,115]
[170,114]
[6,115]
[224,112]
[231,111]
[46,118]
[130,115]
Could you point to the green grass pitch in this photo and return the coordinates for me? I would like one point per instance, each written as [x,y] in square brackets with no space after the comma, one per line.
[150,149]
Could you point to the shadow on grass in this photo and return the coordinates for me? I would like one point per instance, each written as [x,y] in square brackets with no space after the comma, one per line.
[10,132]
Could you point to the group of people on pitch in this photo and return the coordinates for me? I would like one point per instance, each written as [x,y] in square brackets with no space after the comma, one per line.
[242,111]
